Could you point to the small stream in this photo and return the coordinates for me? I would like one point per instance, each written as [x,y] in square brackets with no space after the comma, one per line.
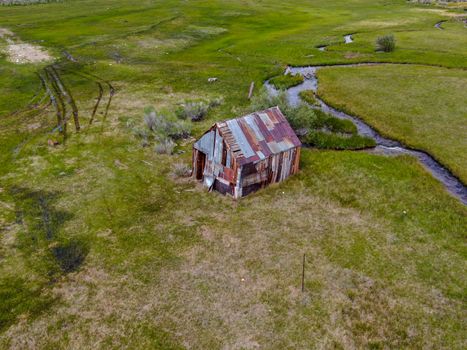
[347,40]
[438,25]
[383,145]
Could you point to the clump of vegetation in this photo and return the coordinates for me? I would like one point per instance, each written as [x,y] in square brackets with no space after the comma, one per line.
[285,81]
[194,111]
[309,97]
[161,129]
[164,146]
[313,126]
[333,124]
[165,125]
[70,256]
[301,118]
[386,43]
[327,140]
[181,170]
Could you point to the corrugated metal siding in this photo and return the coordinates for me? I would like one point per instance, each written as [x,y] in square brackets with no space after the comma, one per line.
[258,135]
[261,148]
[205,144]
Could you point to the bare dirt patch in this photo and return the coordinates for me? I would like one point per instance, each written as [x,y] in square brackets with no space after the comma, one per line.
[20,52]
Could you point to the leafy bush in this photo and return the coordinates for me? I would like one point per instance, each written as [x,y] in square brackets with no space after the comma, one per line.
[164,146]
[216,102]
[325,140]
[386,43]
[301,118]
[285,81]
[181,170]
[164,125]
[309,97]
[195,111]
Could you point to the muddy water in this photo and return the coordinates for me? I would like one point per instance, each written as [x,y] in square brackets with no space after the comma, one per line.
[384,145]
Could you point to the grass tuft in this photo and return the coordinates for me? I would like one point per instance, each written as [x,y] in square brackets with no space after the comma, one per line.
[309,97]
[164,146]
[285,81]
[386,43]
[326,140]
[181,170]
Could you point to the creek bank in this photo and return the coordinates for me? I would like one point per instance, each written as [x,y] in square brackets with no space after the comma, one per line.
[384,145]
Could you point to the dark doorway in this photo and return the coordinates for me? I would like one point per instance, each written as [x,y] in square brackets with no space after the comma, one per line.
[200,162]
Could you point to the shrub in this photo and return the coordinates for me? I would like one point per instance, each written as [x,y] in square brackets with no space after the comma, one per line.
[216,102]
[181,170]
[285,81]
[325,140]
[195,111]
[151,120]
[164,146]
[309,97]
[386,43]
[163,125]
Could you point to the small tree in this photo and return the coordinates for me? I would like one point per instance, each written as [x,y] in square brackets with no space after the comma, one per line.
[386,43]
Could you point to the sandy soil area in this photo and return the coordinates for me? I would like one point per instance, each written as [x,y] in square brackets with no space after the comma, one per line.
[20,52]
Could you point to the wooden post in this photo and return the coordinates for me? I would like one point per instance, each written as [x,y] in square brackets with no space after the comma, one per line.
[250,93]
[303,273]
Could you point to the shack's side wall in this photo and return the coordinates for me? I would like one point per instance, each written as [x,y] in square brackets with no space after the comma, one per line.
[222,178]
[276,168]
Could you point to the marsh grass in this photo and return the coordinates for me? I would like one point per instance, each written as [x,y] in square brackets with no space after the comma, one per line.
[423,111]
[326,140]
[309,97]
[286,81]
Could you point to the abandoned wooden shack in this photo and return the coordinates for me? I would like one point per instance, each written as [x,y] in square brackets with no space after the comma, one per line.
[242,155]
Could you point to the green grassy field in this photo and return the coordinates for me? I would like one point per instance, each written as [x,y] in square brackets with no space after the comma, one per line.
[420,106]
[101,246]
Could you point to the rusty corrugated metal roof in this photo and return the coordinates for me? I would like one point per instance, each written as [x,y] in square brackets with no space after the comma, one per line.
[258,135]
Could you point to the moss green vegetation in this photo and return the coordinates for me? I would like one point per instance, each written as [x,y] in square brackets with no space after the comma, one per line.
[332,133]
[326,140]
[420,106]
[309,97]
[285,81]
[101,246]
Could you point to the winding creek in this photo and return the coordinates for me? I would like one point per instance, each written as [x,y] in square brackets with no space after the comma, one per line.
[383,145]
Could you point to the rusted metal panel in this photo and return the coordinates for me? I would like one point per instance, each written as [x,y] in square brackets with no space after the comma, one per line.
[260,148]
[206,143]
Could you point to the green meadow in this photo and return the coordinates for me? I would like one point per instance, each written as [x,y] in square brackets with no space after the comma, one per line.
[103,245]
